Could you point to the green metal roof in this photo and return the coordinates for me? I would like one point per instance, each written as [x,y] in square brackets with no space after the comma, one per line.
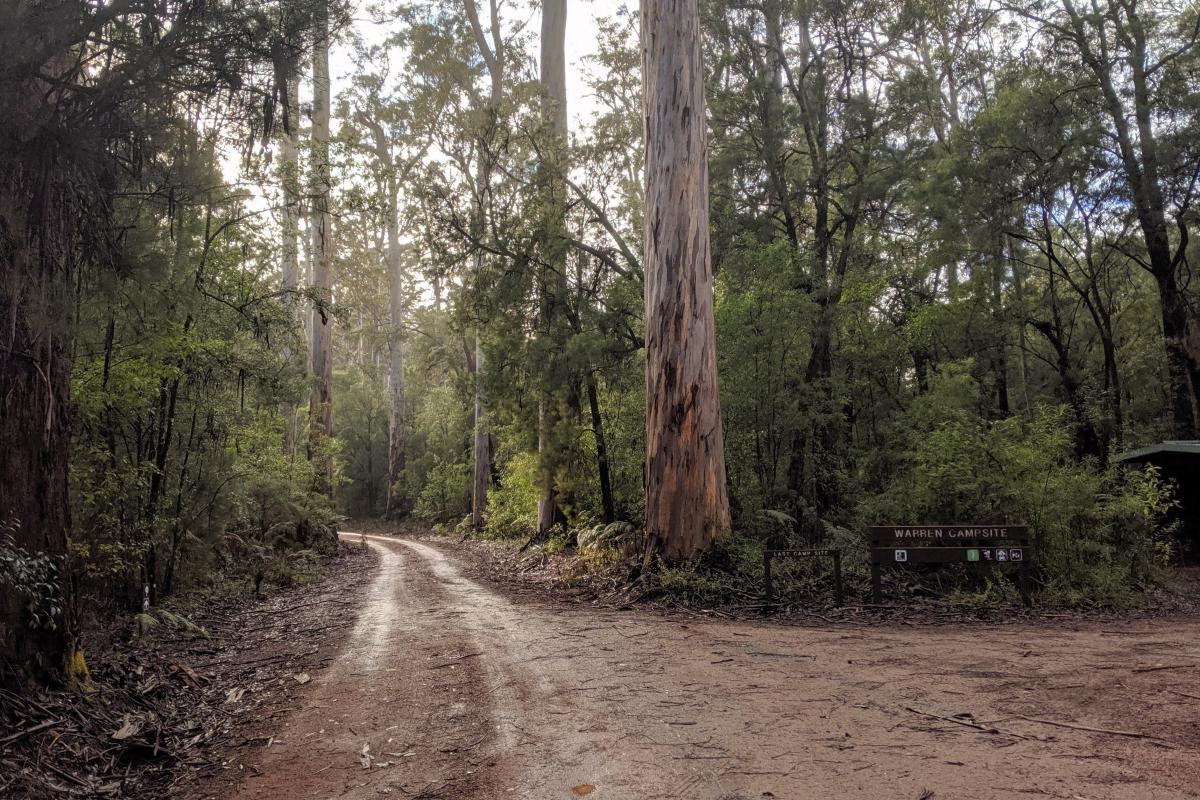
[1187,447]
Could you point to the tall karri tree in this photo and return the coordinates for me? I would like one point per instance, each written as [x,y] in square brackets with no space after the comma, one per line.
[687,507]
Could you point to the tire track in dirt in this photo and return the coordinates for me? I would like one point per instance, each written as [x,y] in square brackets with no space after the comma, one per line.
[408,686]
[479,696]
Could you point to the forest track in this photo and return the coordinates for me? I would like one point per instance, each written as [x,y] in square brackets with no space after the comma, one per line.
[458,692]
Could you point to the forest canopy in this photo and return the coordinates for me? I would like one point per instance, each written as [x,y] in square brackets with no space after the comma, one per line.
[942,249]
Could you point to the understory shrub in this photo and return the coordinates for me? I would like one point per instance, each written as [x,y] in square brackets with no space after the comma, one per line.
[1096,531]
[512,508]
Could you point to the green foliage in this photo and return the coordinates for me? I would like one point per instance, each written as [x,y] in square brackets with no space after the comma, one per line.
[1095,531]
[446,494]
[34,577]
[512,508]
[762,345]
[935,310]
[362,413]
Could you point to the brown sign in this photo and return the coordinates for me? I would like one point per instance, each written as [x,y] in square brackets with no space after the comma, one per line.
[973,545]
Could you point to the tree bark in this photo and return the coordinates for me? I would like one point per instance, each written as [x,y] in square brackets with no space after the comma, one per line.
[34,436]
[42,185]
[321,400]
[687,508]
[483,450]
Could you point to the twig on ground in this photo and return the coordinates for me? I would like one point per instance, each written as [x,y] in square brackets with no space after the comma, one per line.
[971,724]
[1090,729]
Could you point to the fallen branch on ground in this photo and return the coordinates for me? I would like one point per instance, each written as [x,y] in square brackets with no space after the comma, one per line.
[1090,729]
[972,724]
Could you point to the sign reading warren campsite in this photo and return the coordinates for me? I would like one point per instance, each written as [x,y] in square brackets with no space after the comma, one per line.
[933,535]
[973,545]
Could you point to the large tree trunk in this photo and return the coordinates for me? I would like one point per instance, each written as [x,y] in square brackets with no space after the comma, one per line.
[321,400]
[397,502]
[41,189]
[34,435]
[687,507]
[552,282]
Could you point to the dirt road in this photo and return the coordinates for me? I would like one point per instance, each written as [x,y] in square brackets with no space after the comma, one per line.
[448,690]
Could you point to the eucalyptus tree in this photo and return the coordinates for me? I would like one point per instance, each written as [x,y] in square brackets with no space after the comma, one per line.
[394,126]
[552,282]
[687,508]
[494,51]
[1135,60]
[287,75]
[320,431]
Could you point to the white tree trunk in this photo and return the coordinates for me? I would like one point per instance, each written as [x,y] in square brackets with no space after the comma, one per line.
[321,401]
[397,441]
[483,454]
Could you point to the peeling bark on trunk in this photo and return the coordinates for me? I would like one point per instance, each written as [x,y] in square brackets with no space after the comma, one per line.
[34,436]
[687,507]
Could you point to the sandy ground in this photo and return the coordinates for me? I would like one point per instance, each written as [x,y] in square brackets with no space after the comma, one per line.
[446,689]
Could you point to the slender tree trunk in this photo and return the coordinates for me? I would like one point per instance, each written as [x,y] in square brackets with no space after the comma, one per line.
[1133,131]
[483,450]
[1000,356]
[289,178]
[397,503]
[608,504]
[493,53]
[321,401]
[552,282]
[687,507]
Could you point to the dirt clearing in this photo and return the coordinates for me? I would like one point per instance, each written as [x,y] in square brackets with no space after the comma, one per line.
[446,689]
